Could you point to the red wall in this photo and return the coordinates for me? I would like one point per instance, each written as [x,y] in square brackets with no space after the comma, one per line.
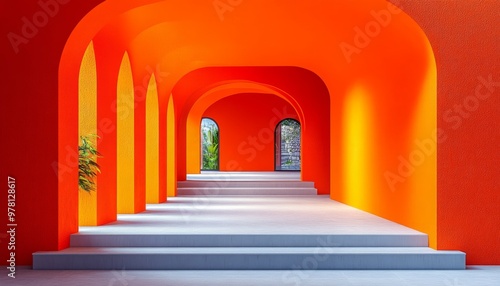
[247,124]
[29,125]
[465,39]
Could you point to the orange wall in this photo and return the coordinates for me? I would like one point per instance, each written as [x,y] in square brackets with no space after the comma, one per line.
[464,38]
[246,125]
[108,61]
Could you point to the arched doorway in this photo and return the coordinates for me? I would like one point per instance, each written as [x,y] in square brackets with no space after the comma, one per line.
[287,146]
[209,131]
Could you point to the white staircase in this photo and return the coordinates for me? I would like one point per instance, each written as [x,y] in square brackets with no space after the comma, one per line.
[245,184]
[203,230]
[245,176]
[245,188]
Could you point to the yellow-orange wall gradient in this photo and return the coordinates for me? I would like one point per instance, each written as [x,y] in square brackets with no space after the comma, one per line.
[125,138]
[152,144]
[87,126]
[358,144]
[171,150]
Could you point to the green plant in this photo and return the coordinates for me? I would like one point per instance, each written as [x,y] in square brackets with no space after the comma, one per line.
[291,129]
[87,163]
[211,149]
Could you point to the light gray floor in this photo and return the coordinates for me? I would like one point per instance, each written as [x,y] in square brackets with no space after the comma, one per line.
[473,276]
[267,215]
[236,232]
[250,215]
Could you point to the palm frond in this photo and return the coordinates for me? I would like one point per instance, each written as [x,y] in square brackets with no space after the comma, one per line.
[88,168]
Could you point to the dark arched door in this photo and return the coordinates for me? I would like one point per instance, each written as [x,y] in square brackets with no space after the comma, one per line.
[287,145]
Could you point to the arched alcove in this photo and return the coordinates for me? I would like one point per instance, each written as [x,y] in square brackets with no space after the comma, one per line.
[287,145]
[210,144]
[153,194]
[125,138]
[87,127]
[171,170]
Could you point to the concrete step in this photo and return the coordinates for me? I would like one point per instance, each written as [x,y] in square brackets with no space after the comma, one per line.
[241,191]
[245,188]
[248,258]
[248,240]
[245,176]
[244,184]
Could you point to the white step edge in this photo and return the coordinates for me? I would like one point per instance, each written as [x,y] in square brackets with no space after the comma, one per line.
[246,191]
[248,240]
[246,176]
[223,184]
[240,258]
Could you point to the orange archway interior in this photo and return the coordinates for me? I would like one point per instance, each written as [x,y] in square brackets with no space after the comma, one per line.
[363,100]
[253,146]
[223,81]
[230,161]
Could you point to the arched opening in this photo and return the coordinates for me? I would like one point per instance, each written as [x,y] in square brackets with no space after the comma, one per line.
[248,145]
[87,127]
[125,139]
[287,145]
[209,135]
[384,90]
[153,194]
[171,170]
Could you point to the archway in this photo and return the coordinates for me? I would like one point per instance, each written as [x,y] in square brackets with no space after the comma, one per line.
[210,144]
[87,128]
[287,145]
[342,81]
[257,81]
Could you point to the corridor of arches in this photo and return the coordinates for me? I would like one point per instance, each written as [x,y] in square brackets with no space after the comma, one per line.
[143,74]
[145,84]
[374,85]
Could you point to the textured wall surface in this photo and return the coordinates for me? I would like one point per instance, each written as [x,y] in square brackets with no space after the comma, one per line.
[29,123]
[465,39]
